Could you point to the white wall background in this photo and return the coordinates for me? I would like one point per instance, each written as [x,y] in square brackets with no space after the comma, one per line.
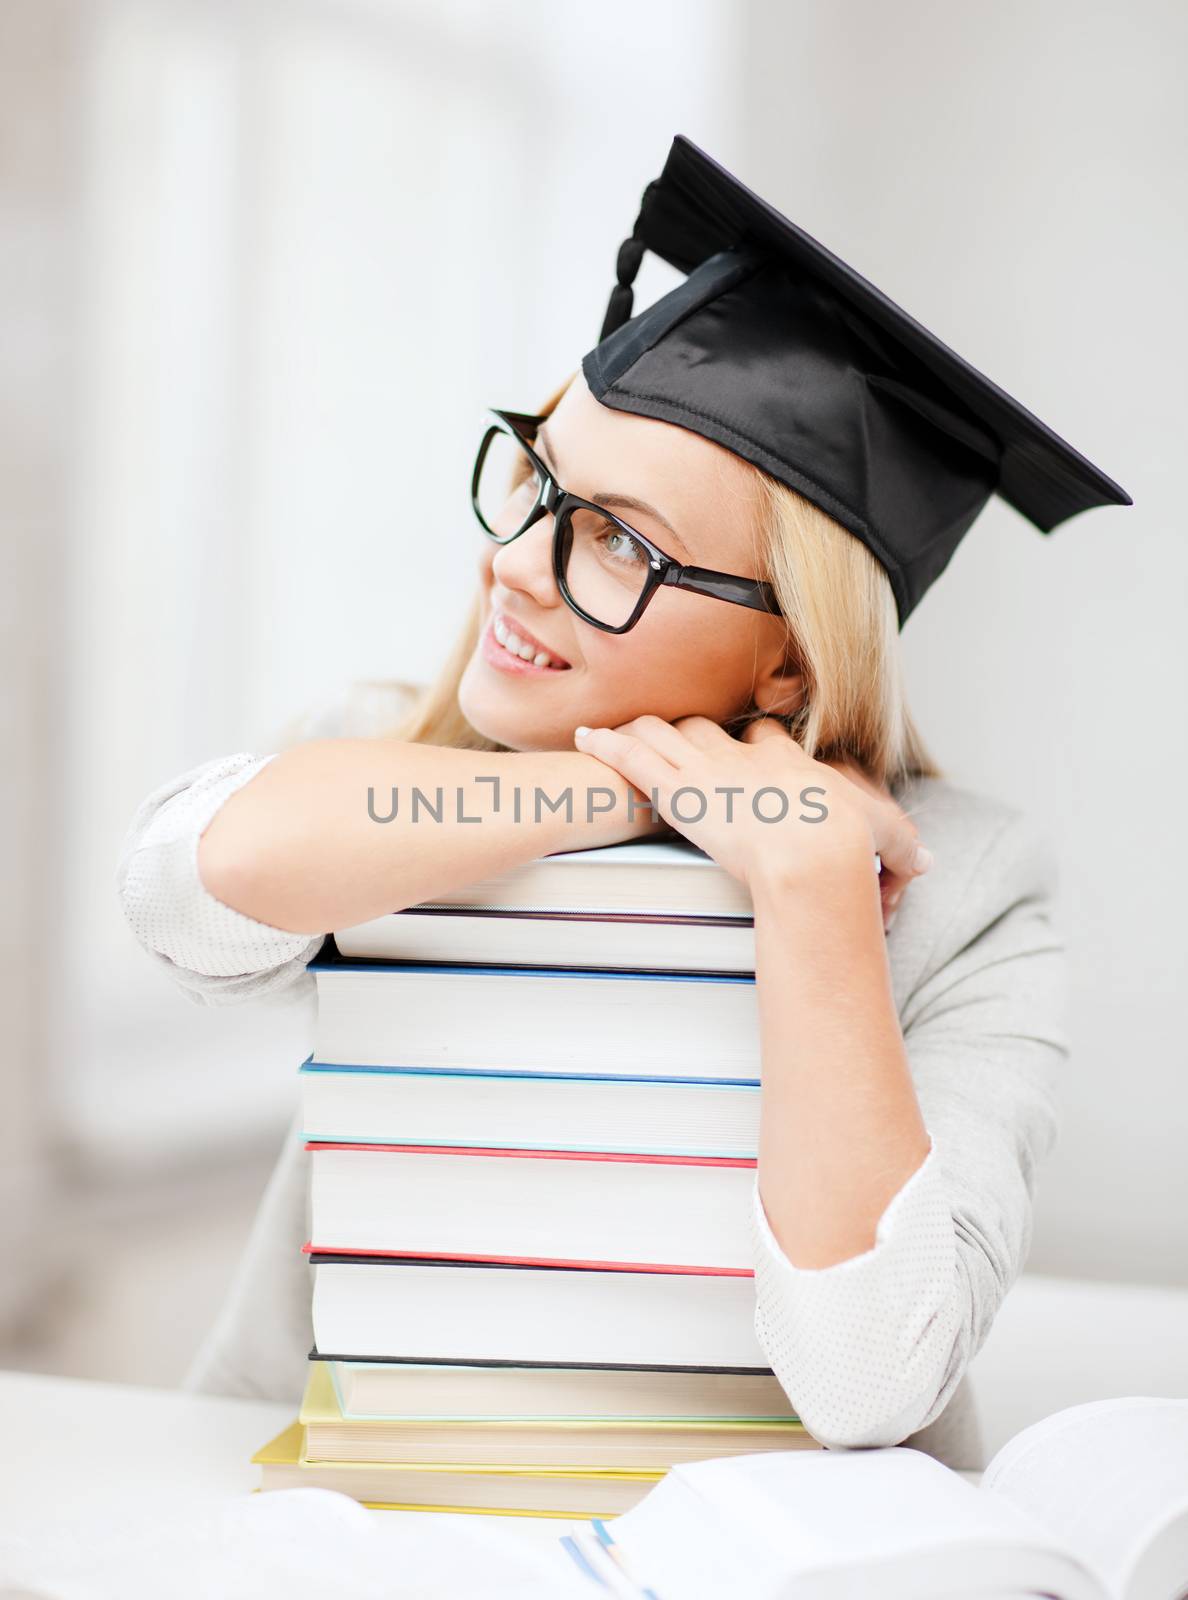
[290,247]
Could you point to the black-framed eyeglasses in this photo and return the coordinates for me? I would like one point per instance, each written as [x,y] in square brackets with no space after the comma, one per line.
[607,571]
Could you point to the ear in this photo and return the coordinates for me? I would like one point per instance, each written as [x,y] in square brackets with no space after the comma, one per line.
[779,683]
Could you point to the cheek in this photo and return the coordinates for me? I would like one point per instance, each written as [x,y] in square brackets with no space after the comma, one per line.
[695,644]
[692,663]
[664,663]
[625,658]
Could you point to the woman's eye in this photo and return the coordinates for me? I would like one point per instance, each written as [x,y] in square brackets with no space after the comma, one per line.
[526,485]
[621,545]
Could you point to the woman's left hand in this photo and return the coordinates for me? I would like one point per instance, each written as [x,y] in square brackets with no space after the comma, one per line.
[763,809]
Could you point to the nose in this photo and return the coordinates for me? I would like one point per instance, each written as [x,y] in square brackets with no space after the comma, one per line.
[526,563]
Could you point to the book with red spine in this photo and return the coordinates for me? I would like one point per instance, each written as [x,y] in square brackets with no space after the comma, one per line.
[533,1207]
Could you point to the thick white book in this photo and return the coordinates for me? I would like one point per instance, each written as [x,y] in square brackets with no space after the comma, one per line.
[538,1207]
[636,941]
[528,1110]
[1089,1504]
[399,1309]
[637,1024]
[658,903]
[660,877]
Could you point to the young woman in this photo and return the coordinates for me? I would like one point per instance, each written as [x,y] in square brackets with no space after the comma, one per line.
[679,621]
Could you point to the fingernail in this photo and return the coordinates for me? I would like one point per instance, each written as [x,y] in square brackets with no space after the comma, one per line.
[580,733]
[922,859]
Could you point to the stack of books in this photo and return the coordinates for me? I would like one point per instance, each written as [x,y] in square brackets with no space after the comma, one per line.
[532,1113]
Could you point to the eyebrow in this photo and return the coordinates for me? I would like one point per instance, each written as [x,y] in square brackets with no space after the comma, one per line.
[608,498]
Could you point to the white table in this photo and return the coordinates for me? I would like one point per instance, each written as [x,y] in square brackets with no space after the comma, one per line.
[81,1455]
[112,1442]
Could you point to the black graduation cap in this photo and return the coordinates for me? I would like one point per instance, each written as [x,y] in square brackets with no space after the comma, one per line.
[782,353]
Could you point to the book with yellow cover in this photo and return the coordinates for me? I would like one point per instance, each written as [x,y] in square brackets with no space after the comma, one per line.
[641,1444]
[477,1487]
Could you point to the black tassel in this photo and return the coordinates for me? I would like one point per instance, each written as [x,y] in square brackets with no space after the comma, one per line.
[622,296]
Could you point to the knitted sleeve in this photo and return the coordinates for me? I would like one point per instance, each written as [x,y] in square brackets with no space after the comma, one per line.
[216,954]
[871,1349]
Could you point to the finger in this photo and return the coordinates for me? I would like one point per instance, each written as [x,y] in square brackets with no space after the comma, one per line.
[704,734]
[892,902]
[899,844]
[898,840]
[766,728]
[666,737]
[629,755]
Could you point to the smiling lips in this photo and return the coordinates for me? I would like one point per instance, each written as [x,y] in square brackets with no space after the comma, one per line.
[511,642]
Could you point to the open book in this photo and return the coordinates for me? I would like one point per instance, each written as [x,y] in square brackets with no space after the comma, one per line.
[1090,1504]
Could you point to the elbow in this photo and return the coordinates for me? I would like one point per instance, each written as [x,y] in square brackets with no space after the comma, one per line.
[220,872]
[250,884]
[232,878]
[867,1402]
[870,1381]
[235,864]
[869,1429]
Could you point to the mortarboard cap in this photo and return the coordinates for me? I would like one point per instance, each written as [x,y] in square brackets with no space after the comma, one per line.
[779,351]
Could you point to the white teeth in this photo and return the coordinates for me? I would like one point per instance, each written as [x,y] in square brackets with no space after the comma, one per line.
[520,647]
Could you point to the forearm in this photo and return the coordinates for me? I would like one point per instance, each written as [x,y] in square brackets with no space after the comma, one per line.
[841,1128]
[300,846]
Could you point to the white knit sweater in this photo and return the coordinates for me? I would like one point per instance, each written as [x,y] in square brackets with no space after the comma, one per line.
[871,1351]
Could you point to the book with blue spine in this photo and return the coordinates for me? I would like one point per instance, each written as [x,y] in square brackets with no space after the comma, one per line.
[583,1019]
[344,1103]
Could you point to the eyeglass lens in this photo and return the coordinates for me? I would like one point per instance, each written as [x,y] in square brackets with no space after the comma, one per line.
[606,569]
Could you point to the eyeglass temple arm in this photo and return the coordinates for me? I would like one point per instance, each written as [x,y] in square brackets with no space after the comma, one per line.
[751,592]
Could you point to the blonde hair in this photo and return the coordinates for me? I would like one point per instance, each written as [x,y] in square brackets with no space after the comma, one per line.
[843,637]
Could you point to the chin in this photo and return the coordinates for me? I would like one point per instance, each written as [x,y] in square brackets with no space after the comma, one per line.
[497,722]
